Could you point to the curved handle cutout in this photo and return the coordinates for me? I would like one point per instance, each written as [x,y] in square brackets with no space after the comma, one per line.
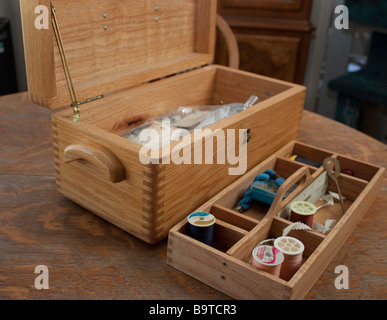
[99,156]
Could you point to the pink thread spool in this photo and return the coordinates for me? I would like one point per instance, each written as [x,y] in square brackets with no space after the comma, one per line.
[268,258]
[302,211]
[292,250]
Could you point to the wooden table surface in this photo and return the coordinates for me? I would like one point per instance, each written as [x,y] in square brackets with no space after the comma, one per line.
[88,258]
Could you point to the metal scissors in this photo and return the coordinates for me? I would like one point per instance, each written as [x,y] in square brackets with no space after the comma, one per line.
[334,175]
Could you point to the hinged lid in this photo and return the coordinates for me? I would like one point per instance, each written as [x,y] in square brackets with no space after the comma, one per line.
[112,45]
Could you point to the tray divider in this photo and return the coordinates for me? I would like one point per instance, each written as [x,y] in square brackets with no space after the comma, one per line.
[225,214]
[225,235]
[292,165]
[232,227]
[243,248]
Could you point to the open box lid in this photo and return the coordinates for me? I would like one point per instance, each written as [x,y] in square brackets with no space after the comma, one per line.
[112,45]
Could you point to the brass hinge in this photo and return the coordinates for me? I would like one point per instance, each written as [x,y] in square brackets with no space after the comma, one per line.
[74,102]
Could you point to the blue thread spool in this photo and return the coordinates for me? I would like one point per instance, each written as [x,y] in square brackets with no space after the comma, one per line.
[306,161]
[201,227]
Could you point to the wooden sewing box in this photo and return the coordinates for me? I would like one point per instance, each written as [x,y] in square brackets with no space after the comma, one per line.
[129,61]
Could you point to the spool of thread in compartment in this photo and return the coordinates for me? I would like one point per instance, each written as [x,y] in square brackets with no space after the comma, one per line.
[292,250]
[306,161]
[201,227]
[268,258]
[348,172]
[302,211]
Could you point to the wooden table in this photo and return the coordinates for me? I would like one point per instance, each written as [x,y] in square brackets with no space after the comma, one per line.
[89,258]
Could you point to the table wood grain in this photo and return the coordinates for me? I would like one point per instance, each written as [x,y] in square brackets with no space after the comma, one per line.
[89,258]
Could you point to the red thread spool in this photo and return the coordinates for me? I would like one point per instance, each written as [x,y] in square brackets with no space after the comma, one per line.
[302,211]
[292,250]
[268,258]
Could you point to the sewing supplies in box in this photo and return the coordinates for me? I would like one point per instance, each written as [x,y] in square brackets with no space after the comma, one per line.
[268,258]
[201,227]
[237,267]
[281,257]
[302,209]
[184,120]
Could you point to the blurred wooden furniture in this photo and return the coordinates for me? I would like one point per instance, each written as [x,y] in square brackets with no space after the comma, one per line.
[273,36]
[231,43]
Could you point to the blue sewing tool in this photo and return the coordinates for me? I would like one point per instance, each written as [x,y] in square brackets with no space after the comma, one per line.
[263,189]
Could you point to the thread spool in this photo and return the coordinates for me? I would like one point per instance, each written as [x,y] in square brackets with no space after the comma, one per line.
[267,258]
[302,211]
[292,250]
[306,161]
[201,227]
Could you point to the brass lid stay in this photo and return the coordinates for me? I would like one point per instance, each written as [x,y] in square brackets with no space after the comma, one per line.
[74,101]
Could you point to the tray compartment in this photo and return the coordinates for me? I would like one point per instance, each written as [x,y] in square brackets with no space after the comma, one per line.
[361,170]
[351,188]
[307,152]
[229,228]
[225,234]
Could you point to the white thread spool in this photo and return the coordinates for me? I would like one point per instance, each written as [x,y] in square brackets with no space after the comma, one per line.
[268,258]
[292,249]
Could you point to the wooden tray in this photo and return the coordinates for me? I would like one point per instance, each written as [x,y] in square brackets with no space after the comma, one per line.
[226,265]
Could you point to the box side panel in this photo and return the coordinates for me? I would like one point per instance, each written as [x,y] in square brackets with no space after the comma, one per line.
[236,85]
[131,204]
